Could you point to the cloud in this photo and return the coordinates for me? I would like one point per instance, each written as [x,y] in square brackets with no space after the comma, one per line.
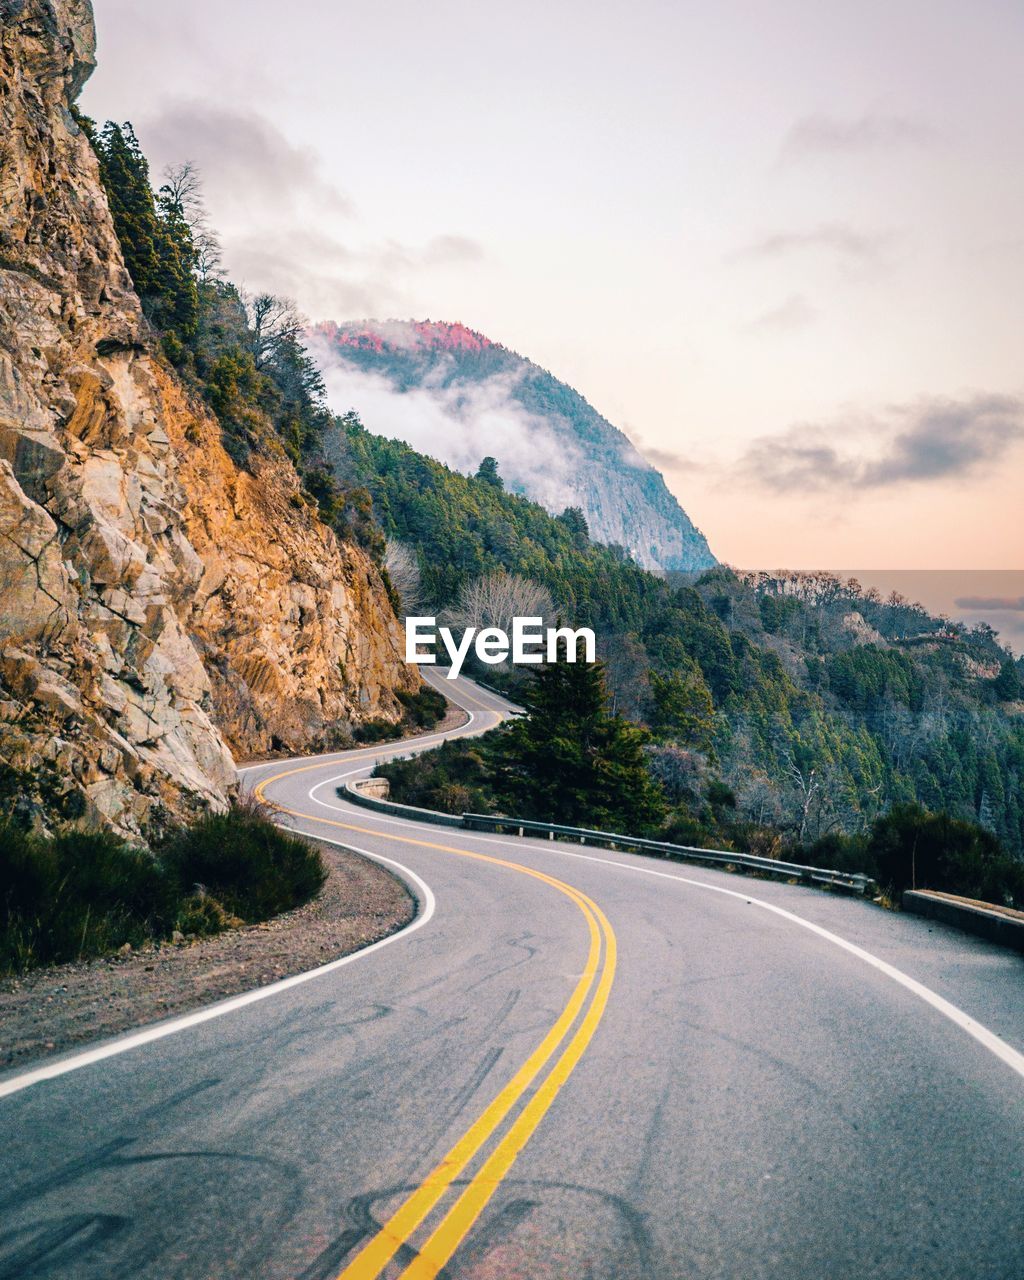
[995,604]
[459,423]
[930,440]
[247,164]
[640,454]
[284,226]
[794,313]
[445,249]
[835,238]
[823,135]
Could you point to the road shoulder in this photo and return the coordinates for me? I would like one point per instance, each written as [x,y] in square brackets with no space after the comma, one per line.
[52,1010]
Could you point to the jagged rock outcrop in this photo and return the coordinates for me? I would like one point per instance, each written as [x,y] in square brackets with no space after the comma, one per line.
[157,604]
[857,627]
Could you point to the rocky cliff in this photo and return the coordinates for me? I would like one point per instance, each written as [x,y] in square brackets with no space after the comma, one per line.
[453,393]
[159,607]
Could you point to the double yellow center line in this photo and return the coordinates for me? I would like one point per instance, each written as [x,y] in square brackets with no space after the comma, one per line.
[498,1142]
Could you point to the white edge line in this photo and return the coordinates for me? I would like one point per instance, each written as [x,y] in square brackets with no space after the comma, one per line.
[50,1071]
[994,1043]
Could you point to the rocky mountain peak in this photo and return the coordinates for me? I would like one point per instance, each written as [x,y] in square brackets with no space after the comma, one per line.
[551,444]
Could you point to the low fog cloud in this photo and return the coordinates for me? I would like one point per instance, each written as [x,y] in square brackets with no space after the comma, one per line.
[835,238]
[643,454]
[795,313]
[822,135]
[459,424]
[929,440]
[995,604]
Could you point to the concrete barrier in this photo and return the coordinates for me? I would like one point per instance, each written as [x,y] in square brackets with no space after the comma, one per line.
[995,924]
[367,800]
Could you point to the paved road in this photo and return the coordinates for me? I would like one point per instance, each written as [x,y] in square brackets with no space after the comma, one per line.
[573,1064]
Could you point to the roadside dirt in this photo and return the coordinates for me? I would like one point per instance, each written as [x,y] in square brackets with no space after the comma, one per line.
[52,1010]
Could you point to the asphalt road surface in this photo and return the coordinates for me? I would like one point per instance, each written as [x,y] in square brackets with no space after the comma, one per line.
[573,1063]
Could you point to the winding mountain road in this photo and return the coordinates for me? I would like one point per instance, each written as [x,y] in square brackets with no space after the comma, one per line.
[573,1063]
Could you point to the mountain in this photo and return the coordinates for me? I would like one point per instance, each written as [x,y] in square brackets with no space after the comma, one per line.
[164,607]
[455,394]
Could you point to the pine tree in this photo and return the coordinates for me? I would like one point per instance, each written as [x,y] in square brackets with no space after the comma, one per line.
[488,472]
[155,239]
[682,710]
[570,761]
[1008,685]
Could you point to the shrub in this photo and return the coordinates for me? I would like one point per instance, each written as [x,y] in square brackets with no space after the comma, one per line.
[453,778]
[911,847]
[86,893]
[79,894]
[375,731]
[201,914]
[248,865]
[425,707]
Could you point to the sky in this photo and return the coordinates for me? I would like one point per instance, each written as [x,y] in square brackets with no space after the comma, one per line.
[781,246]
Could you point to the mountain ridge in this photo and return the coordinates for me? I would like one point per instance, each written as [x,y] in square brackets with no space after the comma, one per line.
[558,449]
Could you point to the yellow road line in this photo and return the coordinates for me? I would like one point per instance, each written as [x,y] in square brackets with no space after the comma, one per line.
[460,1218]
[375,1255]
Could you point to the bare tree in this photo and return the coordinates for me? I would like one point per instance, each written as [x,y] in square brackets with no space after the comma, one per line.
[273,322]
[496,598]
[682,772]
[821,800]
[183,187]
[628,675]
[759,799]
[404,572]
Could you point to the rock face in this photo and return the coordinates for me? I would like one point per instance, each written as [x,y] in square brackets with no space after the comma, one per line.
[861,631]
[477,397]
[159,608]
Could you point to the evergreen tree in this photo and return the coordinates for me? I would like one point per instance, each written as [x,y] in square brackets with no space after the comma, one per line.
[155,239]
[1007,685]
[488,472]
[576,522]
[570,761]
[682,710]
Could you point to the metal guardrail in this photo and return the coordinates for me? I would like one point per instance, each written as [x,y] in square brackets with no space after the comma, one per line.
[849,881]
[852,881]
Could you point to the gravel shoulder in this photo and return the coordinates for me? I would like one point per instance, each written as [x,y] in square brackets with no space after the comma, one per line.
[49,1011]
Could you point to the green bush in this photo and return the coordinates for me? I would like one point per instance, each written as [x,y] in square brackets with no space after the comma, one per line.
[420,710]
[910,847]
[452,778]
[79,894]
[376,731]
[252,868]
[87,893]
[424,708]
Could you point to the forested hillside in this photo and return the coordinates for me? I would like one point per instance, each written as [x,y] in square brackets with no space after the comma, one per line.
[551,444]
[779,709]
[816,704]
